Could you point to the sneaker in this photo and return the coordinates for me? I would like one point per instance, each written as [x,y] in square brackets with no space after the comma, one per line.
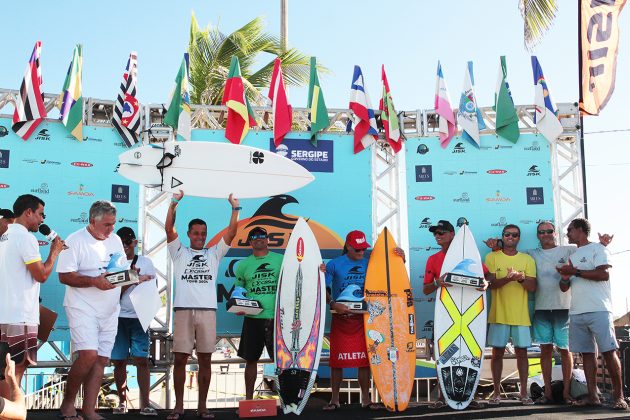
[148,411]
[121,409]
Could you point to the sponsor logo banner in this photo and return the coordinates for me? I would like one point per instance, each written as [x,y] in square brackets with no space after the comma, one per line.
[315,159]
[535,195]
[4,158]
[424,173]
[120,193]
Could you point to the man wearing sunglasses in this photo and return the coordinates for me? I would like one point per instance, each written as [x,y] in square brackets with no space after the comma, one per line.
[515,276]
[591,327]
[21,273]
[195,270]
[258,274]
[131,339]
[443,232]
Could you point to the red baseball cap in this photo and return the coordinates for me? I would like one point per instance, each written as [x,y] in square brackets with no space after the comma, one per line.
[356,239]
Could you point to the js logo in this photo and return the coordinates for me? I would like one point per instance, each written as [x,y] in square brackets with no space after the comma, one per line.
[461,323]
[257,158]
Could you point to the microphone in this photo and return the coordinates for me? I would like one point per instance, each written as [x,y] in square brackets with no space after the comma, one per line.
[47,232]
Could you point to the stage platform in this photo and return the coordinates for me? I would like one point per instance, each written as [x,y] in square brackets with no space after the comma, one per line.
[507,409]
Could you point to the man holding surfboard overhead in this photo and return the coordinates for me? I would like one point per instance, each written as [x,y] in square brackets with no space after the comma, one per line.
[258,274]
[347,333]
[515,276]
[195,304]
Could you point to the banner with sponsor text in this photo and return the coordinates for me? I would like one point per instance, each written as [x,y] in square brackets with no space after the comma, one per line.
[497,184]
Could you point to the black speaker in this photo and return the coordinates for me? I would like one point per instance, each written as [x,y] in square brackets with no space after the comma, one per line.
[624,351]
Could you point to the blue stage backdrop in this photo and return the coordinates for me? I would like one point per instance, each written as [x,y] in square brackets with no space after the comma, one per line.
[69,176]
[491,186]
[337,201]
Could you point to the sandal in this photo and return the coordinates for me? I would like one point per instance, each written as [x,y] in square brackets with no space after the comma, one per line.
[526,401]
[371,406]
[121,409]
[620,404]
[204,414]
[437,405]
[148,411]
[175,415]
[331,407]
[496,400]
[543,400]
[586,403]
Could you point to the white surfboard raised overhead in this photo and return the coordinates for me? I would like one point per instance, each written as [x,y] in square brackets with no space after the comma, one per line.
[460,324]
[213,170]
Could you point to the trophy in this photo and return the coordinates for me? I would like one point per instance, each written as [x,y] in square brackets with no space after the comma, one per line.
[462,275]
[352,297]
[119,273]
[241,305]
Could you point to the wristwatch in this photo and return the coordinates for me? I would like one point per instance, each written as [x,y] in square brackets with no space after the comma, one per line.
[578,273]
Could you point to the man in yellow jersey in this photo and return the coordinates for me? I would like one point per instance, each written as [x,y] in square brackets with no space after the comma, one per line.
[515,276]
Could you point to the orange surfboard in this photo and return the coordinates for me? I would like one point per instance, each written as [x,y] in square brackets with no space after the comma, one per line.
[390,325]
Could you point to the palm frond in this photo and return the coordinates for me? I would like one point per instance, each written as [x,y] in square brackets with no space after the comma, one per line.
[538,17]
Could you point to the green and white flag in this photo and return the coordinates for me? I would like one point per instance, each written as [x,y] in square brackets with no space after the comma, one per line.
[318,114]
[506,117]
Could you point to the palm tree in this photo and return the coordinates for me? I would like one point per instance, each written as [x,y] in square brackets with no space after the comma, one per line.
[211,51]
[538,16]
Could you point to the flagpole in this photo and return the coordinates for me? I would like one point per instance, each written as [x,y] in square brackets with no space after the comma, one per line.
[582,149]
[284,24]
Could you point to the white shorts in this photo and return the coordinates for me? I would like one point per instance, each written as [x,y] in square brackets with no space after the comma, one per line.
[88,332]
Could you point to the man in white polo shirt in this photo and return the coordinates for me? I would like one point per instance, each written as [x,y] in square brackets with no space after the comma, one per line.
[92,305]
[21,272]
[195,272]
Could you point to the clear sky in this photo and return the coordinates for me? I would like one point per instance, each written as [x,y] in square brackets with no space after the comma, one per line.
[407,36]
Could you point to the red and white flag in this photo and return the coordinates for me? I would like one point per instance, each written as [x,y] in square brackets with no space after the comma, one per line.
[29,105]
[126,118]
[282,111]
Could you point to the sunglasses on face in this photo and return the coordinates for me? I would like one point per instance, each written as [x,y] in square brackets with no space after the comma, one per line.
[511,234]
[438,233]
[358,250]
[545,231]
[260,236]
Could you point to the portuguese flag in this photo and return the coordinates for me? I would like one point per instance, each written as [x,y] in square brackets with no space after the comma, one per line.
[240,115]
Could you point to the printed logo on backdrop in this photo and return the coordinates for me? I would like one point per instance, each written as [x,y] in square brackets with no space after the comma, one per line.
[535,147]
[526,222]
[42,243]
[495,147]
[125,220]
[82,219]
[424,173]
[42,161]
[423,149]
[424,197]
[459,148]
[425,223]
[460,172]
[428,327]
[464,198]
[498,198]
[97,140]
[4,158]
[314,159]
[42,189]
[42,135]
[502,222]
[496,171]
[535,195]
[3,131]
[533,171]
[82,164]
[120,193]
[4,185]
[80,192]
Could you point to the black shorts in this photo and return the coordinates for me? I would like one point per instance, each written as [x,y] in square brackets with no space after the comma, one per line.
[256,334]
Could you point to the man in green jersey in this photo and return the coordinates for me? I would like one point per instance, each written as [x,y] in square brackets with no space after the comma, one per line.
[258,274]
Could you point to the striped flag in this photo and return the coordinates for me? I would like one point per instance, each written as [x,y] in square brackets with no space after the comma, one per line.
[72,99]
[446,124]
[468,115]
[29,105]
[318,114]
[546,116]
[365,128]
[240,114]
[178,113]
[127,108]
[389,116]
[282,111]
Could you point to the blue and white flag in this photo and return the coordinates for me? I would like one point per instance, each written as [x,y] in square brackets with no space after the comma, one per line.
[365,128]
[546,116]
[468,115]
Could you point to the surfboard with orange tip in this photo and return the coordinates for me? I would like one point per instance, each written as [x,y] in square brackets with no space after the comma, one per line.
[390,325]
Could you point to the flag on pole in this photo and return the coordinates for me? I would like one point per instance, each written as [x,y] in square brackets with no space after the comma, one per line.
[365,128]
[29,105]
[71,114]
[546,116]
[468,115]
[240,114]
[127,108]
[506,117]
[282,111]
[389,116]
[446,124]
[178,113]
[318,111]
